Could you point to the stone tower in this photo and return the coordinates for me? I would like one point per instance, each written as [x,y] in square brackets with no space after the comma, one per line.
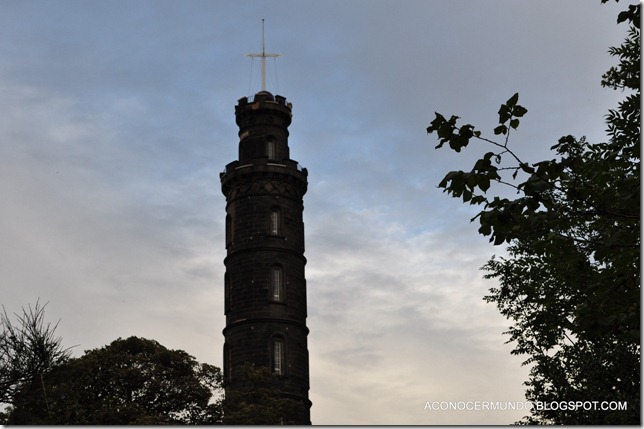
[265,287]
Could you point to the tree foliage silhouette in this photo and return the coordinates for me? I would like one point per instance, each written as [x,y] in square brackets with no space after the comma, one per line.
[571,280]
[29,348]
[131,381]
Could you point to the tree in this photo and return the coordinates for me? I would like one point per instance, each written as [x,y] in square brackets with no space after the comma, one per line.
[571,279]
[28,350]
[256,399]
[131,381]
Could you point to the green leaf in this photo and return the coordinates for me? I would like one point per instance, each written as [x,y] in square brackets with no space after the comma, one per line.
[501,129]
[445,130]
[484,184]
[512,101]
[505,113]
[485,229]
[519,111]
[498,238]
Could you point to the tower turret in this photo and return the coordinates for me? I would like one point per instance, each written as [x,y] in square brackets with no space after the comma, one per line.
[265,286]
[263,136]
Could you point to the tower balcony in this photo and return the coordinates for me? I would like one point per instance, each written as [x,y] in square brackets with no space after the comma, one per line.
[271,166]
[286,179]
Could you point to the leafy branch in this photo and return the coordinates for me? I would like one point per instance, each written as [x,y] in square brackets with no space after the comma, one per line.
[571,281]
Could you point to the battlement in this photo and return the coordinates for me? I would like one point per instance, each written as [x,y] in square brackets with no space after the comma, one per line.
[262,99]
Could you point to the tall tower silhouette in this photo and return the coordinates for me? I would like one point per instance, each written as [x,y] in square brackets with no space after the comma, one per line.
[265,287]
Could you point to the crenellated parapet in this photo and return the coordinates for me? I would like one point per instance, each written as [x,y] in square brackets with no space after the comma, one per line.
[274,108]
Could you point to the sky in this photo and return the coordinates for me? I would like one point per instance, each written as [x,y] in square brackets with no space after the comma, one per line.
[117,117]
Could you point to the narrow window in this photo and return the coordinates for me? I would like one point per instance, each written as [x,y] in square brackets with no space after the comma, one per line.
[227,368]
[277,282]
[226,293]
[271,148]
[278,356]
[275,220]
[229,230]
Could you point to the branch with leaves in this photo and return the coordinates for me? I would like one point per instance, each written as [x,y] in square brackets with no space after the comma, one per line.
[570,282]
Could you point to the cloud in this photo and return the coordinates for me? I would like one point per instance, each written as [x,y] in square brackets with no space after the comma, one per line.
[107,230]
[399,320]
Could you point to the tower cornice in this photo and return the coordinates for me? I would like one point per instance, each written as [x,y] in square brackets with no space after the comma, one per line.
[264,248]
[258,320]
[286,180]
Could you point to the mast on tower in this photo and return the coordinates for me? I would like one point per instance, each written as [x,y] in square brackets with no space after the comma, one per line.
[263,56]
